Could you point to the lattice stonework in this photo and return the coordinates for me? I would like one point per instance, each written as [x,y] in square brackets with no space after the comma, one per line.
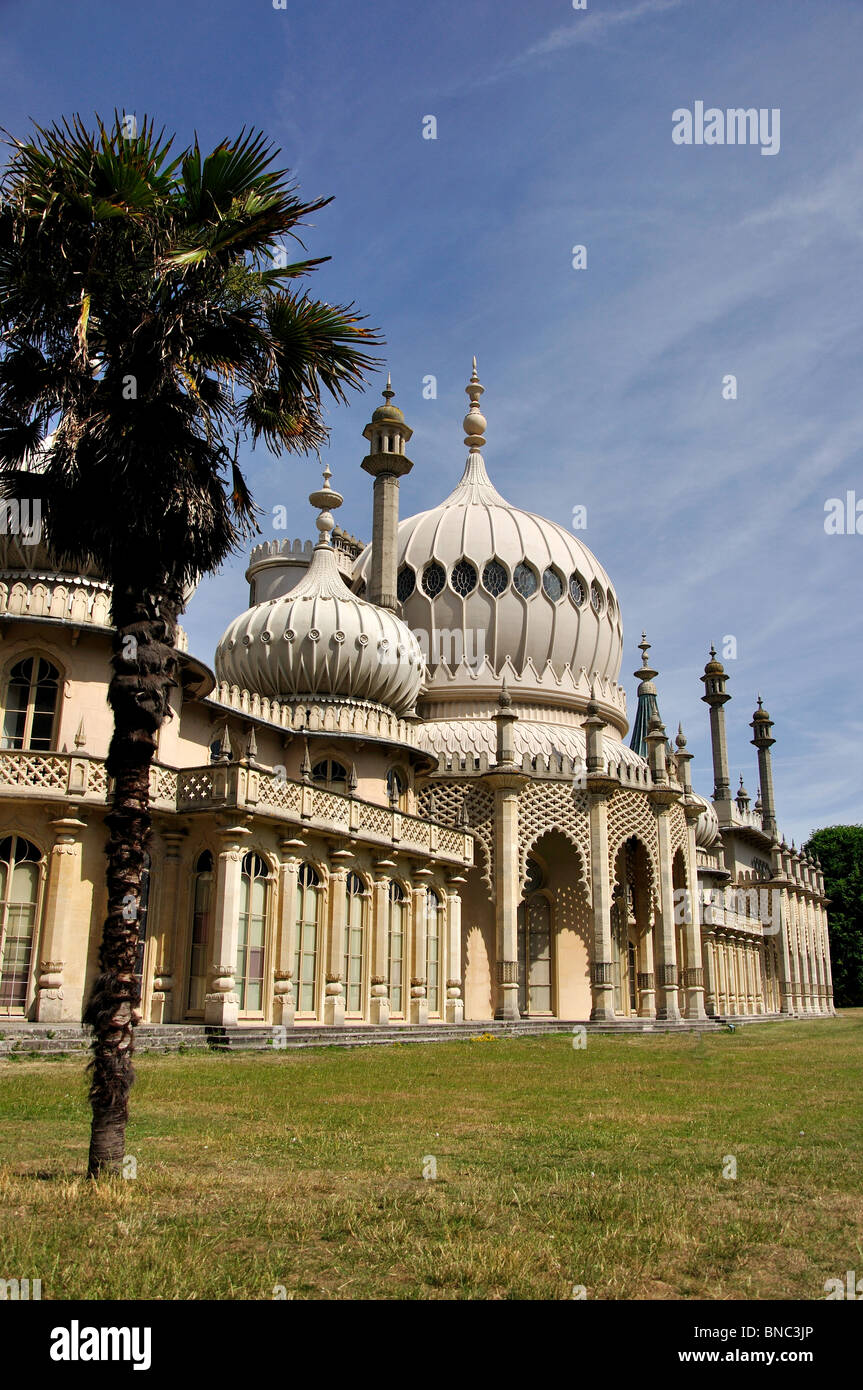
[196,786]
[444,803]
[375,818]
[545,806]
[630,813]
[35,770]
[274,791]
[678,831]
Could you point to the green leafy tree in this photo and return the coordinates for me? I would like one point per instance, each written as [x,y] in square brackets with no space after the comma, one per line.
[149,319]
[840,850]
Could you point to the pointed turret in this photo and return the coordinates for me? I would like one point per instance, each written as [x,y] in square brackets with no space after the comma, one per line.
[742,797]
[715,695]
[648,705]
[387,461]
[762,738]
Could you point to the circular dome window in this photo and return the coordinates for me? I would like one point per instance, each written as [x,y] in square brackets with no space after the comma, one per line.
[610,605]
[463,577]
[433,579]
[494,578]
[552,584]
[524,580]
[596,602]
[405,584]
[577,591]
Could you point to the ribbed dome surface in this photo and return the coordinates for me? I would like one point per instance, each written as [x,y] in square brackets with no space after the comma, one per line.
[320,639]
[477,572]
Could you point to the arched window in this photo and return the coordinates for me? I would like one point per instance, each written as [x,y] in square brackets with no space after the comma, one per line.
[534,946]
[30,707]
[252,935]
[434,918]
[331,774]
[397,924]
[202,909]
[397,789]
[405,583]
[524,580]
[308,915]
[19,902]
[355,930]
[433,579]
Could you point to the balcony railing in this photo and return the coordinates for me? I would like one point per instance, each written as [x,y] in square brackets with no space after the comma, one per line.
[239,787]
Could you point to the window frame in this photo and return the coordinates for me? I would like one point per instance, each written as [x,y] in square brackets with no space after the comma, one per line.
[36,656]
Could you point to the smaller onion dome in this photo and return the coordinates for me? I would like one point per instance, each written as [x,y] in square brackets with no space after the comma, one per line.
[707,834]
[387,413]
[320,639]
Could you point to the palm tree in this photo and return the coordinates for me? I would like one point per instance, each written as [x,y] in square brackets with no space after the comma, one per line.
[148,320]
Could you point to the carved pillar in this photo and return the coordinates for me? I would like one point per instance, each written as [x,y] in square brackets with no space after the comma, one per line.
[668,1006]
[63,878]
[602,983]
[379,1009]
[454,1001]
[507,894]
[334,994]
[694,981]
[284,996]
[646,977]
[711,986]
[162,1008]
[221,1004]
[419,1009]
[805,974]
[786,976]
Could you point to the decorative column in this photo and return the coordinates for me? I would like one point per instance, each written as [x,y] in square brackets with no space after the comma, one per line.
[334,994]
[646,977]
[63,880]
[805,974]
[663,797]
[600,788]
[387,462]
[711,991]
[506,784]
[379,1008]
[419,1009]
[221,1004]
[284,997]
[762,730]
[694,979]
[166,934]
[716,696]
[454,1001]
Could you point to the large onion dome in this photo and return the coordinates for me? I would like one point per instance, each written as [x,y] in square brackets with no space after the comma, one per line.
[319,639]
[486,585]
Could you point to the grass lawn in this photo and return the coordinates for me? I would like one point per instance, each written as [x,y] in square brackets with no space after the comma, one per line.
[555,1167]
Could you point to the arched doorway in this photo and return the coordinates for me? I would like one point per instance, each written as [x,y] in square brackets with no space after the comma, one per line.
[534,943]
[632,932]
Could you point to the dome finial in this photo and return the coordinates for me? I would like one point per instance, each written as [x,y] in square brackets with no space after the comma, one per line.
[327,500]
[475,423]
[388,391]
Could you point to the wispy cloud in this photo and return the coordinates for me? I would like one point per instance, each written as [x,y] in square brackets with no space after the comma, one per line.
[585,27]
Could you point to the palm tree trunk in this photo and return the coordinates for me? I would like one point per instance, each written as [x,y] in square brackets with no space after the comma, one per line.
[144,664]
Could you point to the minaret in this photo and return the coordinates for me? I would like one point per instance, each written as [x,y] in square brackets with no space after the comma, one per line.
[742,797]
[715,695]
[648,705]
[762,730]
[387,434]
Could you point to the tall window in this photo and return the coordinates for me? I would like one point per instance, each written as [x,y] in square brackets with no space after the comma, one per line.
[31,705]
[19,899]
[252,935]
[534,946]
[397,911]
[433,951]
[308,914]
[202,907]
[330,774]
[354,943]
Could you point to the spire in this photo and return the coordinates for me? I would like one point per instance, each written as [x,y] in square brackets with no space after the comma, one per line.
[742,797]
[386,461]
[475,423]
[328,500]
[763,740]
[648,705]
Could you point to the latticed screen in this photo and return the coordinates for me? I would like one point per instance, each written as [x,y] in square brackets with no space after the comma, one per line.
[201,931]
[596,598]
[433,579]
[552,584]
[19,898]
[31,704]
[306,961]
[249,975]
[354,944]
[576,590]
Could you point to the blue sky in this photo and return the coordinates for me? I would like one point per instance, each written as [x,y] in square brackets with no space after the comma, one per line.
[603,386]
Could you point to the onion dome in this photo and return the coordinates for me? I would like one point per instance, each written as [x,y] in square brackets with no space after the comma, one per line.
[388,414]
[493,590]
[707,834]
[319,639]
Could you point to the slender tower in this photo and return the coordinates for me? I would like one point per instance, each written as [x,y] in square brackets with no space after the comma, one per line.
[648,705]
[715,695]
[762,731]
[387,434]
